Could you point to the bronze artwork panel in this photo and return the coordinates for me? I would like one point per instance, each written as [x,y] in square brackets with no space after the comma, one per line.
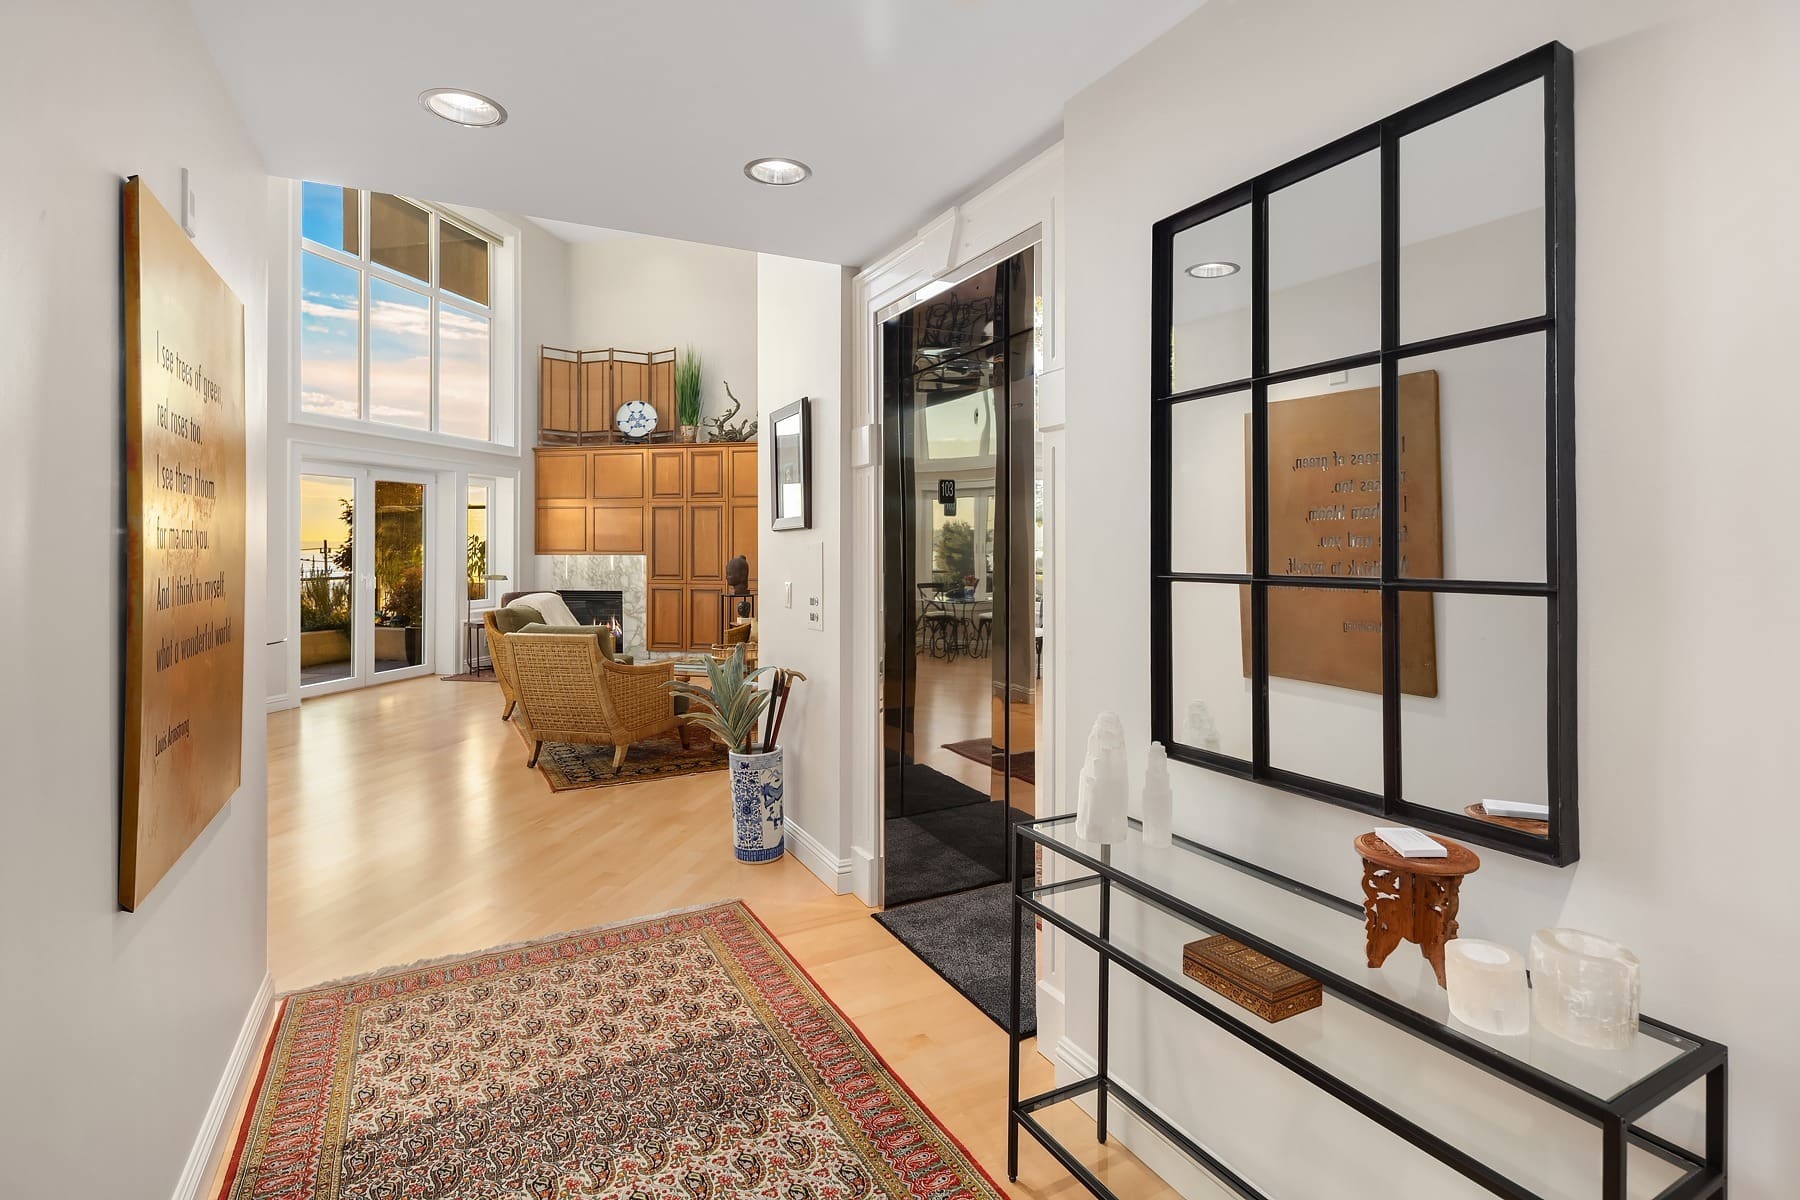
[1325,521]
[185,490]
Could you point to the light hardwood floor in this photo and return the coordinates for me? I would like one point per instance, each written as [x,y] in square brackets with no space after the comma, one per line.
[403,824]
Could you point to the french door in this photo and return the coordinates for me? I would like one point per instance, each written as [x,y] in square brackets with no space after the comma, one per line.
[365,612]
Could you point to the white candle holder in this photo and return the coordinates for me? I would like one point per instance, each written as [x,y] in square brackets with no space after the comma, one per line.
[1103,791]
[1487,986]
[1159,798]
[1584,988]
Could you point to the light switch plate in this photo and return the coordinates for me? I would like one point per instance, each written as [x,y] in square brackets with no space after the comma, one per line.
[787,594]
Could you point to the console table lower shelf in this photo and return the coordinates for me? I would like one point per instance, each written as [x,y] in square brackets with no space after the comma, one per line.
[1503,1113]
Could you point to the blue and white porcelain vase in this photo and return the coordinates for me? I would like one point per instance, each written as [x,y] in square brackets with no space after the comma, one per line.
[756,787]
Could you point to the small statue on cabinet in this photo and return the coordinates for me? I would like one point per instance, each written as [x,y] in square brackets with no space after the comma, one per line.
[722,428]
[737,573]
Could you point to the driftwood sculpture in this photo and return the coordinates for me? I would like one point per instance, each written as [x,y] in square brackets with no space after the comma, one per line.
[722,428]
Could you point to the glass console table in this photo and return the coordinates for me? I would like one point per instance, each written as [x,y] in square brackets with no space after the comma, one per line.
[1383,1042]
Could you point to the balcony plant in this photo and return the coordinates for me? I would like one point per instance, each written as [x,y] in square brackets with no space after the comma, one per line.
[687,393]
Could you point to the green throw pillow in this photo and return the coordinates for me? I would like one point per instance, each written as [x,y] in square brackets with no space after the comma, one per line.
[599,632]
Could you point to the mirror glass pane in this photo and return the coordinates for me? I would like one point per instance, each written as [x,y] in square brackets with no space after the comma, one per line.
[1325,265]
[1210,302]
[1208,486]
[1210,677]
[1482,735]
[1472,217]
[1325,684]
[1325,475]
[1472,460]
[789,497]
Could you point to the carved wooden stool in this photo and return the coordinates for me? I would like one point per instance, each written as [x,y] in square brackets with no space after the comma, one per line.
[1412,899]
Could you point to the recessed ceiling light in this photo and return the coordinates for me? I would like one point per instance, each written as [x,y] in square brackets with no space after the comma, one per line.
[1213,270]
[777,172]
[463,107]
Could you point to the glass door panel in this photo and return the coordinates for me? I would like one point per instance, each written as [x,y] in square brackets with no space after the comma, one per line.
[327,579]
[364,585]
[398,633]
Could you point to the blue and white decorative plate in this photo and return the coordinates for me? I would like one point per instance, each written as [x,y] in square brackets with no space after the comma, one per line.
[636,419]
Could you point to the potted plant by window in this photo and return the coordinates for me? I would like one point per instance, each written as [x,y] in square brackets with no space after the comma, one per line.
[729,705]
[687,394]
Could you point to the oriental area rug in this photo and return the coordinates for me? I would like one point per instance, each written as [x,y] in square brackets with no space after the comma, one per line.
[685,1056]
[567,766]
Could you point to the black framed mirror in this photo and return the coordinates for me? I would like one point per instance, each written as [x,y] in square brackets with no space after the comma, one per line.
[1363,469]
[790,466]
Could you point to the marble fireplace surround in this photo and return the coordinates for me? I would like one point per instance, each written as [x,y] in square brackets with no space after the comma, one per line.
[626,574]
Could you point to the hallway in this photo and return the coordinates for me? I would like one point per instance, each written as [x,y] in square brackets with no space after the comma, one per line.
[403,825]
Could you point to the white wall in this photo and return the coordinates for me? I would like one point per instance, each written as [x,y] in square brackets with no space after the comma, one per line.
[649,293]
[118,1026]
[800,325]
[1684,408]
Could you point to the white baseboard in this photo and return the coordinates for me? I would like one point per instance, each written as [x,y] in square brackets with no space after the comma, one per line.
[833,871]
[275,704]
[1170,1162]
[1049,1016]
[209,1144]
[862,877]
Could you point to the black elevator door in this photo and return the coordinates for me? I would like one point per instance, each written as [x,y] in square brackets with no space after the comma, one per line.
[959,578]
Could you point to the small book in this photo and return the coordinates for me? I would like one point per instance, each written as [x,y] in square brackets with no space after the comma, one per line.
[1516,808]
[1410,843]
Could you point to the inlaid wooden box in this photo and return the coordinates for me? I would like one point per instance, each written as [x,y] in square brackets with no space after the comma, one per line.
[1250,978]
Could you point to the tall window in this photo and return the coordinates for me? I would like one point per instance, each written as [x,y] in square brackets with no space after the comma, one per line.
[396,326]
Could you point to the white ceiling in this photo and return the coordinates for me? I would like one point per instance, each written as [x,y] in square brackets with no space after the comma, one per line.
[576,234]
[641,115]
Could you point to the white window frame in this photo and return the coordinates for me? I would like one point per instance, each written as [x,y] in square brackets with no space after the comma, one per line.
[502,312]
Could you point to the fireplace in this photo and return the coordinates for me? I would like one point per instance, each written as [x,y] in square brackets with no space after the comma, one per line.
[594,607]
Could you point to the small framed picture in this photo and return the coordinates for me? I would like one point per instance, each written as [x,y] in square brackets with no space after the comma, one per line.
[790,467]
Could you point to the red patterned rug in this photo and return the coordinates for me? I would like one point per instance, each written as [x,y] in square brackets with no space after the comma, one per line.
[685,1056]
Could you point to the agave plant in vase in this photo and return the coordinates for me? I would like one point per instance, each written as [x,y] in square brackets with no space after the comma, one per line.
[729,705]
[687,393]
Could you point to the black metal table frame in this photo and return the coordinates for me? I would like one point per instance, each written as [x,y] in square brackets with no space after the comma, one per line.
[1704,1173]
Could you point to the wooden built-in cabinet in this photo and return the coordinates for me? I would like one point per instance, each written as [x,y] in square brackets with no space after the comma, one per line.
[689,509]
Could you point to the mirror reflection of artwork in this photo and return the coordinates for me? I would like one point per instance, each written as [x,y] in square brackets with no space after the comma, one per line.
[1325,515]
[790,467]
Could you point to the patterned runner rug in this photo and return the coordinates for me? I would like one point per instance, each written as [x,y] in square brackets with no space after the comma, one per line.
[685,1057]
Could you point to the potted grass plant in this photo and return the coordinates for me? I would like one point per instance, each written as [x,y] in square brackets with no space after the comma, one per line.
[729,705]
[687,394]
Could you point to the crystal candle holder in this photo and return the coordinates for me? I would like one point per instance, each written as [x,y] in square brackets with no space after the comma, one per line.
[1584,988]
[1487,986]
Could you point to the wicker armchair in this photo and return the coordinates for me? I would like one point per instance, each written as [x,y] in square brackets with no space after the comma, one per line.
[570,692]
[501,657]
